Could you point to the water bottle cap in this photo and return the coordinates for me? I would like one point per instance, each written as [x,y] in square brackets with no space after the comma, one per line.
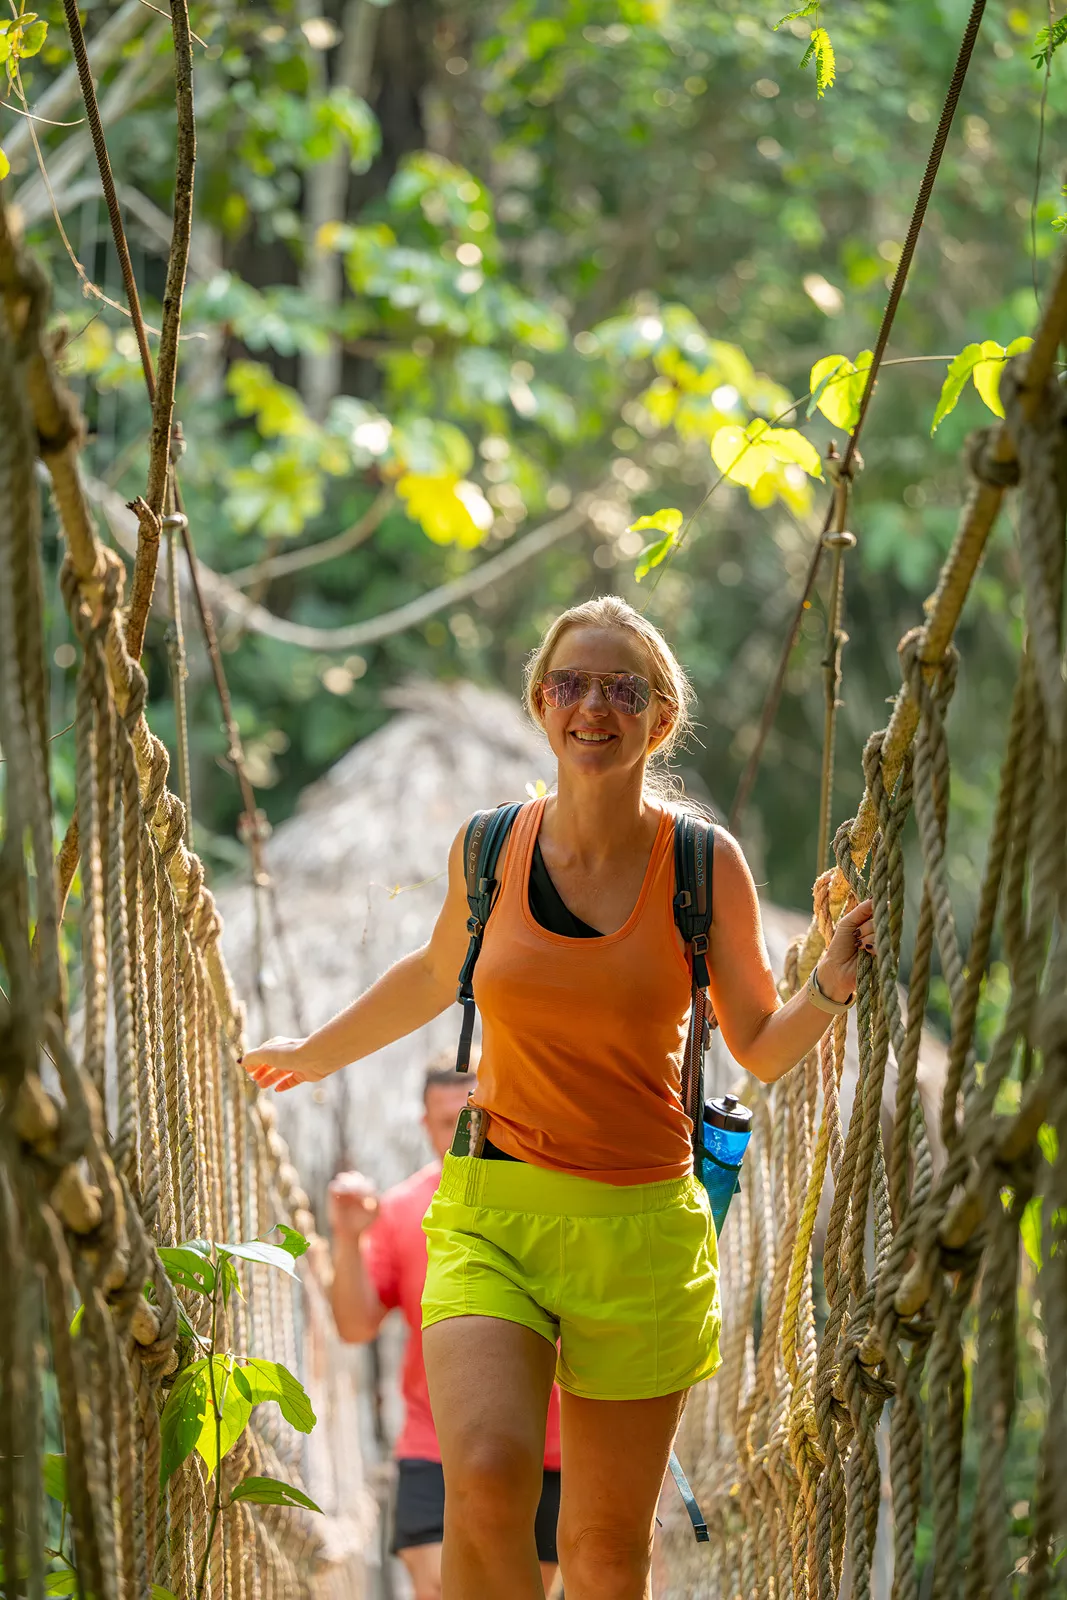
[727,1112]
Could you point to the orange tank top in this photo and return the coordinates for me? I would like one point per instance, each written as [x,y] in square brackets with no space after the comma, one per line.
[582,1039]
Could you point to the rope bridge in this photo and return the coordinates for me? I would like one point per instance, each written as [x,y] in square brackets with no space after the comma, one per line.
[915,1262]
[918,1265]
[89,1189]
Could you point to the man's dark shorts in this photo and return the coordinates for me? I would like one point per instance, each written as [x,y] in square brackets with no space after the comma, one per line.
[420,1508]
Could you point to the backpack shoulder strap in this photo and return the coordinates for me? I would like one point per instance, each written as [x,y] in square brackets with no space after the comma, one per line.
[694,856]
[487,833]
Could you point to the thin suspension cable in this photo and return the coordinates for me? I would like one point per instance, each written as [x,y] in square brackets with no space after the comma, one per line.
[918,216]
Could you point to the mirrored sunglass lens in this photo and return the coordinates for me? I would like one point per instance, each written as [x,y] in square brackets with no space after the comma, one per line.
[562,688]
[628,695]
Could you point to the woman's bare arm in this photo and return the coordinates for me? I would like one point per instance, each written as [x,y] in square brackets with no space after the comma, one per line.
[415,989]
[766,1036]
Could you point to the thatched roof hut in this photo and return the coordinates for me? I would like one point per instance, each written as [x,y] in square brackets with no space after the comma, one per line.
[359,877]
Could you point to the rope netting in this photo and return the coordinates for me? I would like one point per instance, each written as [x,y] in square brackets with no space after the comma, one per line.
[856,1384]
[151,1134]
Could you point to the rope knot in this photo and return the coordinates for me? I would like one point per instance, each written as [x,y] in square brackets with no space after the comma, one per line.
[172,839]
[984,464]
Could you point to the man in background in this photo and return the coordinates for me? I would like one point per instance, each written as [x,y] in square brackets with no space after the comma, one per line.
[379,1264]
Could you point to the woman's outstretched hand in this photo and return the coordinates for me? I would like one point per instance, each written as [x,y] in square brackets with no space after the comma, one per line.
[837,968]
[281,1064]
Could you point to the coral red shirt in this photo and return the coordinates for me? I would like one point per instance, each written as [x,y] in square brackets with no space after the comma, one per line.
[394,1254]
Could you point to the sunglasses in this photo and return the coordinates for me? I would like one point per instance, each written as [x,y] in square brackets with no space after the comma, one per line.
[625,692]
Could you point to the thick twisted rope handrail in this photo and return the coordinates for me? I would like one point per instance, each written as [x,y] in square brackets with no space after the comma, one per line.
[82,1205]
[795,1433]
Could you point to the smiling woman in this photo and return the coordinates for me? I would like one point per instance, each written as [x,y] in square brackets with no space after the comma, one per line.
[569,1236]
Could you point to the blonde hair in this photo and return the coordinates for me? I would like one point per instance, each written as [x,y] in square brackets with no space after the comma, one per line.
[668,677]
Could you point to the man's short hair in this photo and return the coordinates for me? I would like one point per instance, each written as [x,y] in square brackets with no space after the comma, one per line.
[441,1073]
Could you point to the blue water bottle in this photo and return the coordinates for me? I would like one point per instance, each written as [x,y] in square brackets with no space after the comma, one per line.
[727,1130]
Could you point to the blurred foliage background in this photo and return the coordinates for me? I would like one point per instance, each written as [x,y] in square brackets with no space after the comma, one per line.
[456,267]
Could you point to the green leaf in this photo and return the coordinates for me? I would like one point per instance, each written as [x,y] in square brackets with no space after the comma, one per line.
[1048,1140]
[55,1478]
[653,554]
[668,521]
[269,1380]
[268,1255]
[292,1241]
[158,1592]
[959,370]
[32,38]
[272,1492]
[183,1416]
[65,1582]
[5,165]
[1030,1229]
[76,1321]
[228,1279]
[235,1406]
[793,16]
[188,1268]
[1048,40]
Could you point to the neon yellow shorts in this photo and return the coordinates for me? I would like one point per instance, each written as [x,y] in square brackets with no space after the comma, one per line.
[625,1279]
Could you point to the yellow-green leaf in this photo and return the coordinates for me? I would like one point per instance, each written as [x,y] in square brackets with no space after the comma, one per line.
[653,554]
[959,370]
[792,16]
[739,458]
[789,444]
[987,374]
[5,165]
[1030,1229]
[837,387]
[235,1408]
[825,62]
[448,509]
[666,521]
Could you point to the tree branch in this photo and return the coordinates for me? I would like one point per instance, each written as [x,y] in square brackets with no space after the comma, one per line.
[177,265]
[313,555]
[223,596]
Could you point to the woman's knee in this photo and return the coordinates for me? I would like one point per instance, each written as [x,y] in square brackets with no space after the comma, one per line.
[493,1473]
[603,1559]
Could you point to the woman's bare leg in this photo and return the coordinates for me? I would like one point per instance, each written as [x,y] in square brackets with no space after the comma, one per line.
[615,1453]
[489,1383]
